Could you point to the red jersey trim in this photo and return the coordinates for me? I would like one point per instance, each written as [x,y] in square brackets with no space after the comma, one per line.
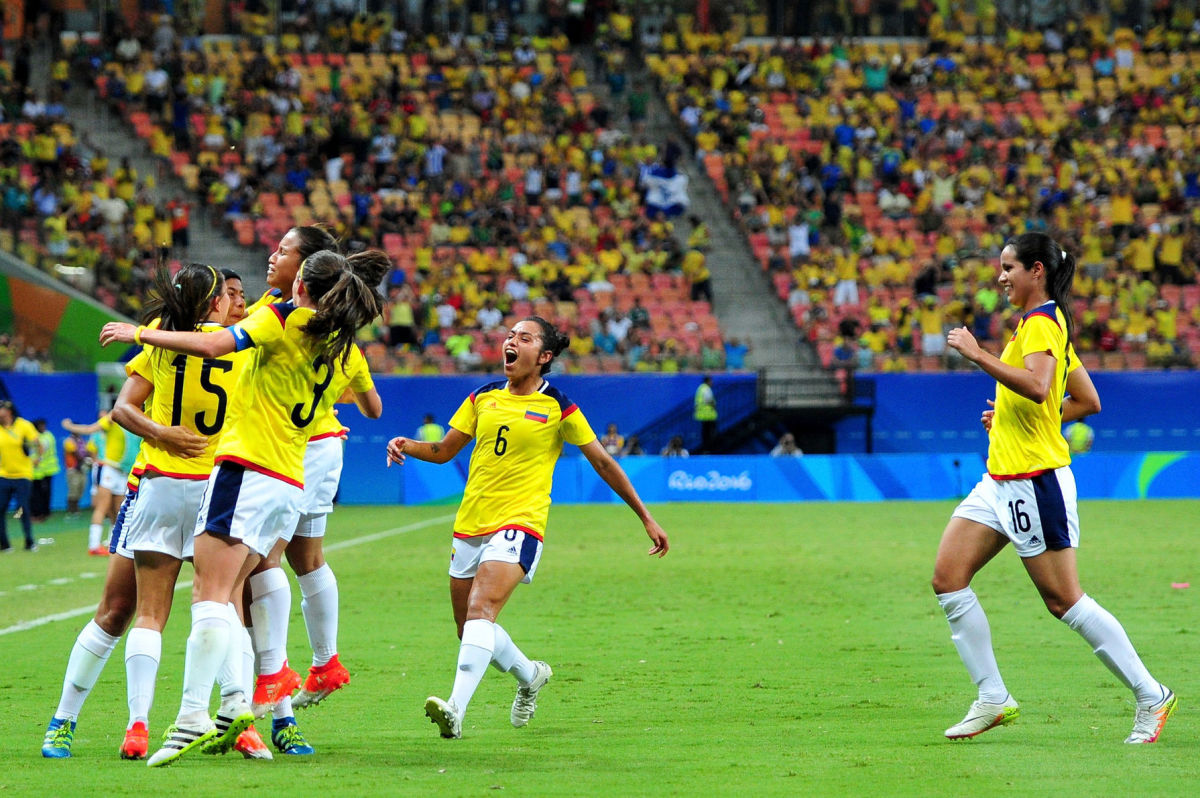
[172,475]
[527,530]
[1007,477]
[339,434]
[568,411]
[260,469]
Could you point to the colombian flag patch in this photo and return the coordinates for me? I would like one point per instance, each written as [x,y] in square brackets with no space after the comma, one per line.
[541,418]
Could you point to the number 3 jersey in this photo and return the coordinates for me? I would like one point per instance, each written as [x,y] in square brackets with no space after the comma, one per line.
[282,389]
[517,441]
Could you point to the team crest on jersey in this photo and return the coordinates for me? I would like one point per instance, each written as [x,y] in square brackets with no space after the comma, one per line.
[541,418]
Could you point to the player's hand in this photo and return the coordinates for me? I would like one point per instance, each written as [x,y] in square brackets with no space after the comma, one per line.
[659,537]
[395,450]
[117,332]
[182,442]
[961,340]
[986,419]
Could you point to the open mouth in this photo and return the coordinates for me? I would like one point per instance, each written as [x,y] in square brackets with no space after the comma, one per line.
[510,356]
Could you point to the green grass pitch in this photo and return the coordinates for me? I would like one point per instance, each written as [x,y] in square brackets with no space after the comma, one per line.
[779,649]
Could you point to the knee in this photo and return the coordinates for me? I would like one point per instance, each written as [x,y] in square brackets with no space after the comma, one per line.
[946,582]
[114,614]
[1057,605]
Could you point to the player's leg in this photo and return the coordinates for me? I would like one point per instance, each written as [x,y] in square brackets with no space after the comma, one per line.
[270,610]
[101,502]
[319,604]
[156,576]
[970,540]
[90,653]
[1053,518]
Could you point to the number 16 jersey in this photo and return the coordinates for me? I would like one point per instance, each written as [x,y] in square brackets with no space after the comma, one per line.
[517,442]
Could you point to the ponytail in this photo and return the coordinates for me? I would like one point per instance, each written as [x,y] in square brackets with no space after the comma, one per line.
[184,301]
[345,300]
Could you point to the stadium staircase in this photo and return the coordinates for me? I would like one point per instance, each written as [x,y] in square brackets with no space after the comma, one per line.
[108,133]
[795,392]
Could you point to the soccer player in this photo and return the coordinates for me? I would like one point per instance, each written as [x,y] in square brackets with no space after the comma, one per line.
[520,425]
[1027,497]
[254,492]
[192,393]
[271,603]
[111,481]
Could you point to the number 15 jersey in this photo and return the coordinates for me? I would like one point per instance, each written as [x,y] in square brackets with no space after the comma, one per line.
[517,441]
[191,392]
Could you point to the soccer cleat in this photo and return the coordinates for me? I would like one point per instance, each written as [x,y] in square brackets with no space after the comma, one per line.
[99,551]
[250,744]
[271,689]
[233,718]
[178,740]
[1148,723]
[321,682]
[137,741]
[983,716]
[59,736]
[288,738]
[446,715]
[525,704]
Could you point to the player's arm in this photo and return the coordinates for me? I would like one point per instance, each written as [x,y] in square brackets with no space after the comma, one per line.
[127,411]
[1032,382]
[81,429]
[199,344]
[1083,399]
[369,403]
[442,451]
[609,471]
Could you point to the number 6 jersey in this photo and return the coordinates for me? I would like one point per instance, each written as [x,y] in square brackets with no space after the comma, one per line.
[517,441]
[282,389]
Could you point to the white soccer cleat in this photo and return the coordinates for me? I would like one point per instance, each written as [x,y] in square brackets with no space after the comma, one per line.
[446,715]
[525,704]
[983,716]
[178,740]
[1148,723]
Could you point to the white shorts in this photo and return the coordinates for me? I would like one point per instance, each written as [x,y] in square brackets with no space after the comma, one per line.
[248,506]
[116,540]
[322,472]
[112,480]
[506,545]
[1036,514]
[164,517]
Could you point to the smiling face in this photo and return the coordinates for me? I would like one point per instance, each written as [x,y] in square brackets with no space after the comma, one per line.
[523,351]
[284,262]
[1019,282]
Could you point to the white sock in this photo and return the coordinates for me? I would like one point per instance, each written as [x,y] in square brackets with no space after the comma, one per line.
[507,658]
[972,637]
[92,648]
[143,651]
[248,669]
[474,655]
[319,603]
[283,709]
[270,609]
[1110,643]
[230,675]
[206,647]
[95,531]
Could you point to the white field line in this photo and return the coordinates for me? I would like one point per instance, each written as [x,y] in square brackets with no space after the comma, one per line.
[341,544]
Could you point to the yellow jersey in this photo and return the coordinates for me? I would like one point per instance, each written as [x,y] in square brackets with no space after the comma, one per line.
[517,441]
[280,391]
[327,426]
[114,441]
[191,392]
[1026,437]
[16,442]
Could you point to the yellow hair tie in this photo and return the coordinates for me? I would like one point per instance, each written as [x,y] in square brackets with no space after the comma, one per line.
[137,335]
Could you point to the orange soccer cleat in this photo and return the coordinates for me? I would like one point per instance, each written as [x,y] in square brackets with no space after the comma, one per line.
[137,741]
[271,689]
[321,682]
[251,745]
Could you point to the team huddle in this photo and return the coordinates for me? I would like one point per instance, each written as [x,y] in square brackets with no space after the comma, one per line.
[239,464]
